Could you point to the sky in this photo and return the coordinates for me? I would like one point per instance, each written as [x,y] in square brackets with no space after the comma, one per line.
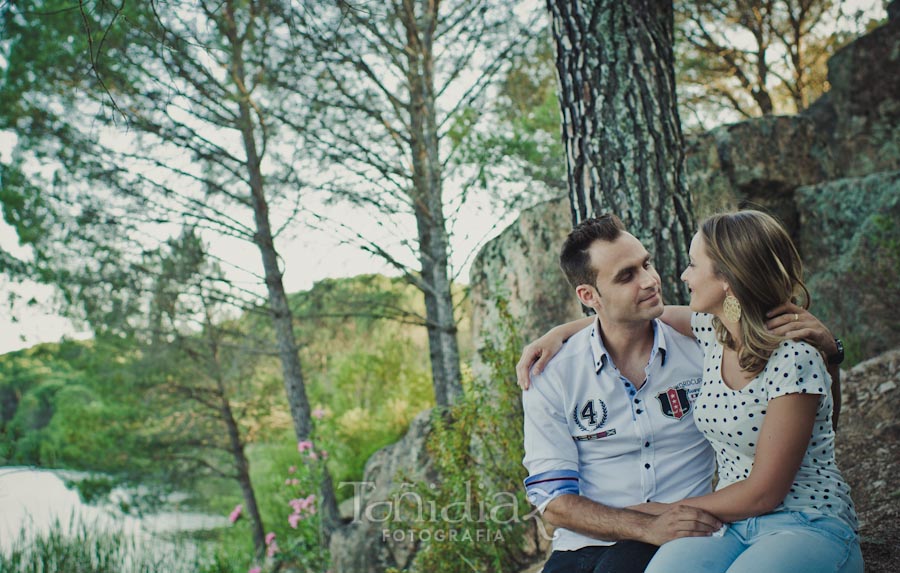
[309,256]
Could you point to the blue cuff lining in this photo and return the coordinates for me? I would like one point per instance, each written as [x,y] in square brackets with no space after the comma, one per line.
[544,487]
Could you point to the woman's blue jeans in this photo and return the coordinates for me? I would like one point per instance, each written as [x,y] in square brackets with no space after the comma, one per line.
[788,542]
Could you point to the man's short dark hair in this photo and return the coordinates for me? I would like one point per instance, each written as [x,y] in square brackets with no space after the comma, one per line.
[574,258]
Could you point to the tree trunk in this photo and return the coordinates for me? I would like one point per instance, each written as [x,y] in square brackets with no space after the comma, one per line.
[236,444]
[621,129]
[282,317]
[427,198]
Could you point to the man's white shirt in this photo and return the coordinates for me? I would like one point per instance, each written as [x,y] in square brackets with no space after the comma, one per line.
[589,431]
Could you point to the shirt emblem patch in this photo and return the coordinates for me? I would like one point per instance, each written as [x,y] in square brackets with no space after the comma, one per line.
[674,403]
[590,415]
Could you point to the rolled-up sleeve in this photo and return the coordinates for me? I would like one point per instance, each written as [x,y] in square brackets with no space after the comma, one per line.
[551,456]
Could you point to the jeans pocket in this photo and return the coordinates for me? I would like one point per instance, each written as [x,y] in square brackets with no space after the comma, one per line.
[826,525]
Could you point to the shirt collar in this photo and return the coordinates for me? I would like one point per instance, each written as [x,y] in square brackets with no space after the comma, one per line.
[601,357]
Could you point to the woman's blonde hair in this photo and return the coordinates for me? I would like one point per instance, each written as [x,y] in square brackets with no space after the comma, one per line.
[753,252]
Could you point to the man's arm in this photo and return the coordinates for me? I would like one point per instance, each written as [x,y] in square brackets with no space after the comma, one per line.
[587,517]
[553,484]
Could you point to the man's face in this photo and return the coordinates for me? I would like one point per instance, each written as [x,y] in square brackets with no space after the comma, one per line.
[627,283]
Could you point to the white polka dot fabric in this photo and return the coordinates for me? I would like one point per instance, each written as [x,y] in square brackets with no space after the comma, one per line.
[731,421]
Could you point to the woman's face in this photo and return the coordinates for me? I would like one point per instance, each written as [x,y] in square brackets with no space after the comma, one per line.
[707,288]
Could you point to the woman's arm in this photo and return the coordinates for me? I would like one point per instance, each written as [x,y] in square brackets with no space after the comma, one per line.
[783,441]
[679,318]
[537,354]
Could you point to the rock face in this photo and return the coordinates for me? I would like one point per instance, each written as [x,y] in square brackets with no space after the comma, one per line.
[371,542]
[520,267]
[852,131]
[850,241]
[828,174]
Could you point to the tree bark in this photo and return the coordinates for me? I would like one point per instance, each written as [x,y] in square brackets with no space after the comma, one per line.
[621,131]
[427,196]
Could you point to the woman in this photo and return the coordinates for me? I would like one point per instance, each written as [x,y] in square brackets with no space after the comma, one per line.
[766,409]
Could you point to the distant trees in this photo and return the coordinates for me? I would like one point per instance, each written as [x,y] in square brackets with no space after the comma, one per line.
[396,80]
[200,86]
[759,57]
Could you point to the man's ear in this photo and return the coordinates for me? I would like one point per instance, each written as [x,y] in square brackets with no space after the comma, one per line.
[588,295]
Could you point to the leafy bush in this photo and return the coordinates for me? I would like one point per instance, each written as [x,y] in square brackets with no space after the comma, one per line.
[477,448]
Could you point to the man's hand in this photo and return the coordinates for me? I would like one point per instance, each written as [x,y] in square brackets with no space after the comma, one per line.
[680,521]
[535,357]
[796,323]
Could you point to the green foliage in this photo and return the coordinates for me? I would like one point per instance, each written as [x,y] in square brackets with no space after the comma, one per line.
[367,400]
[477,448]
[736,60]
[519,156]
[79,548]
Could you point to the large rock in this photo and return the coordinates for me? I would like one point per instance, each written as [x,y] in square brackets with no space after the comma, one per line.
[851,245]
[370,542]
[521,267]
[860,116]
[853,130]
[758,162]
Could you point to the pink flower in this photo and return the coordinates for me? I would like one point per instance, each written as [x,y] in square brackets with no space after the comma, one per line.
[318,413]
[304,445]
[255,570]
[294,519]
[270,537]
[272,549]
[235,513]
[292,469]
[312,455]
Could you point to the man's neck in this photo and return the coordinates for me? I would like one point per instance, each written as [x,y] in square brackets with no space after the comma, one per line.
[629,344]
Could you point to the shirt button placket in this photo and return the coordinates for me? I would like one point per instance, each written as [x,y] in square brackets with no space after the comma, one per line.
[648,468]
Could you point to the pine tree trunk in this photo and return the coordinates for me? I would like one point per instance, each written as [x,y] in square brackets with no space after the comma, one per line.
[242,467]
[621,131]
[283,322]
[427,196]
[282,317]
[235,442]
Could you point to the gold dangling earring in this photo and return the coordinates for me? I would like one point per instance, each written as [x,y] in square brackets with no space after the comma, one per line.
[732,308]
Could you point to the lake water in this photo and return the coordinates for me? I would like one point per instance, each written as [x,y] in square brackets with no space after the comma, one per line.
[34,500]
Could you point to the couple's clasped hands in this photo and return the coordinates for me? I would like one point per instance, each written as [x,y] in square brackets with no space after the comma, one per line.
[671,521]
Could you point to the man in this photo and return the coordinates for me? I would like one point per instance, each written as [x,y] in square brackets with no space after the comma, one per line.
[609,422]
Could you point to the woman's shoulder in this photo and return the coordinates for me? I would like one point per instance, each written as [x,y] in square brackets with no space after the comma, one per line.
[795,366]
[702,327]
[791,351]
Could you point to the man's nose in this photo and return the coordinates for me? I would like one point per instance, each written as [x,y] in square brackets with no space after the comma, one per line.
[648,278]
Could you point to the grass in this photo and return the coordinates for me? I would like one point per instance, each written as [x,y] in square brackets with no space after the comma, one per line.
[78,547]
